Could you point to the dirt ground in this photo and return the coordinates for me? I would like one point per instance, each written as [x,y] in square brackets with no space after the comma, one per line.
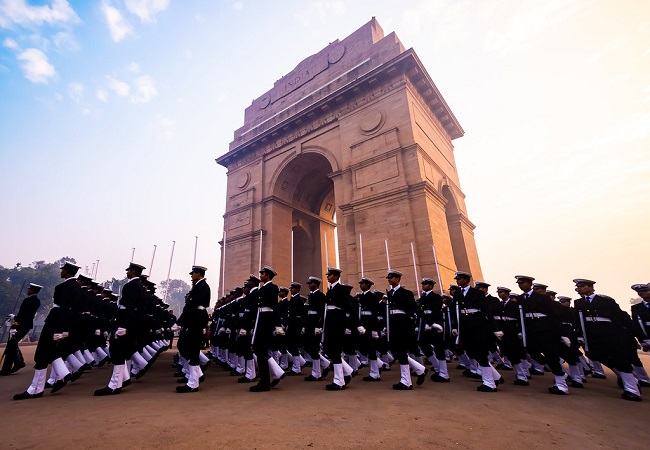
[297,414]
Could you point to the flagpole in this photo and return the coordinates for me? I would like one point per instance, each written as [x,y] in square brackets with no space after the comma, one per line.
[361,253]
[196,243]
[169,271]
[223,266]
[152,258]
[435,260]
[415,270]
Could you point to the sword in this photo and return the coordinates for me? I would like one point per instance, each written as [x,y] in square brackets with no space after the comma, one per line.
[642,326]
[584,331]
[523,325]
[458,327]
[387,320]
[322,337]
[257,318]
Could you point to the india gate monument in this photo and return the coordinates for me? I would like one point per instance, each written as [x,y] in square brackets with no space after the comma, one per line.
[347,157]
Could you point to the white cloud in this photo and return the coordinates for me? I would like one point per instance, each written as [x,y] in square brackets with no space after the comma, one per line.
[21,13]
[120,88]
[35,65]
[134,67]
[321,10]
[146,9]
[65,40]
[238,5]
[117,24]
[10,43]
[76,91]
[102,95]
[145,89]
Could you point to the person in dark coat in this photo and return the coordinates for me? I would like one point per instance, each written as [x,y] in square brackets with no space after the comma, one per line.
[22,323]
[123,338]
[67,295]
[266,323]
[604,329]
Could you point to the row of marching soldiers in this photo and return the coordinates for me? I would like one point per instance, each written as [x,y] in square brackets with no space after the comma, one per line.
[332,331]
[89,326]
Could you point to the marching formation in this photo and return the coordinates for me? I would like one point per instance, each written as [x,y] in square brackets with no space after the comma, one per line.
[262,333]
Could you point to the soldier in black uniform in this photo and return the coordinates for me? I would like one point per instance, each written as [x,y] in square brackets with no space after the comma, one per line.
[507,328]
[265,323]
[313,325]
[368,318]
[22,323]
[54,332]
[193,321]
[402,309]
[336,304]
[604,329]
[123,339]
[280,343]
[295,326]
[641,324]
[542,328]
[473,326]
[430,332]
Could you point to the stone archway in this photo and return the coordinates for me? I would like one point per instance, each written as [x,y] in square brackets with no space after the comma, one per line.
[305,188]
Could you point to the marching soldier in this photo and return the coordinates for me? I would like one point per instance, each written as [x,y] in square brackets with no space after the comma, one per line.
[22,323]
[507,329]
[604,328]
[54,331]
[402,309]
[265,324]
[430,336]
[474,329]
[193,320]
[368,318]
[641,323]
[313,325]
[295,323]
[122,340]
[334,325]
[247,312]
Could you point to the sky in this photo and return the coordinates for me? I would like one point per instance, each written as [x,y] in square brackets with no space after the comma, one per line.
[112,113]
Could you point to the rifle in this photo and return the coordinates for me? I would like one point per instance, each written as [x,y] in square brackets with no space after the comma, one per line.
[3,328]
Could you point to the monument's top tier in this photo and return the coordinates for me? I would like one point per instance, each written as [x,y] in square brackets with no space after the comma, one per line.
[319,75]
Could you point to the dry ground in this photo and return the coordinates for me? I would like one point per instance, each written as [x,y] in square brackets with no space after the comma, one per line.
[297,414]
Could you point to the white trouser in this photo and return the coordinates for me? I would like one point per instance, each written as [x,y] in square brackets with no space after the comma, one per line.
[416,366]
[405,374]
[38,382]
[487,375]
[338,375]
[116,377]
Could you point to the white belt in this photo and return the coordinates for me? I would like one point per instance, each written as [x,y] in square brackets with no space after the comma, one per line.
[567,323]
[535,315]
[331,307]
[54,305]
[265,309]
[597,319]
[366,313]
[311,313]
[241,314]
[469,311]
[200,307]
[121,307]
[506,318]
[428,311]
[647,324]
[397,311]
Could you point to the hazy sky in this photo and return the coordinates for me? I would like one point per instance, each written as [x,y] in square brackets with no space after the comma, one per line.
[113,111]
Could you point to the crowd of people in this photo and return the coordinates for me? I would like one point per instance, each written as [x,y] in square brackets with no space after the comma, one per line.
[261,332]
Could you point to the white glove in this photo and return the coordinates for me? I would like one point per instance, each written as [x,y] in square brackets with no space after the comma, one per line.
[566,341]
[228,330]
[120,331]
[106,334]
[242,332]
[12,332]
[57,337]
[361,330]
[205,330]
[64,335]
[175,328]
[279,331]
[348,331]
[581,340]
[499,334]
[162,330]
[318,331]
[11,317]
[221,330]
[454,332]
[427,327]
[98,332]
[437,327]
[375,335]
[520,336]
[302,331]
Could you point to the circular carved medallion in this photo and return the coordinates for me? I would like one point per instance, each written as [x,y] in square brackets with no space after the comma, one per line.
[372,122]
